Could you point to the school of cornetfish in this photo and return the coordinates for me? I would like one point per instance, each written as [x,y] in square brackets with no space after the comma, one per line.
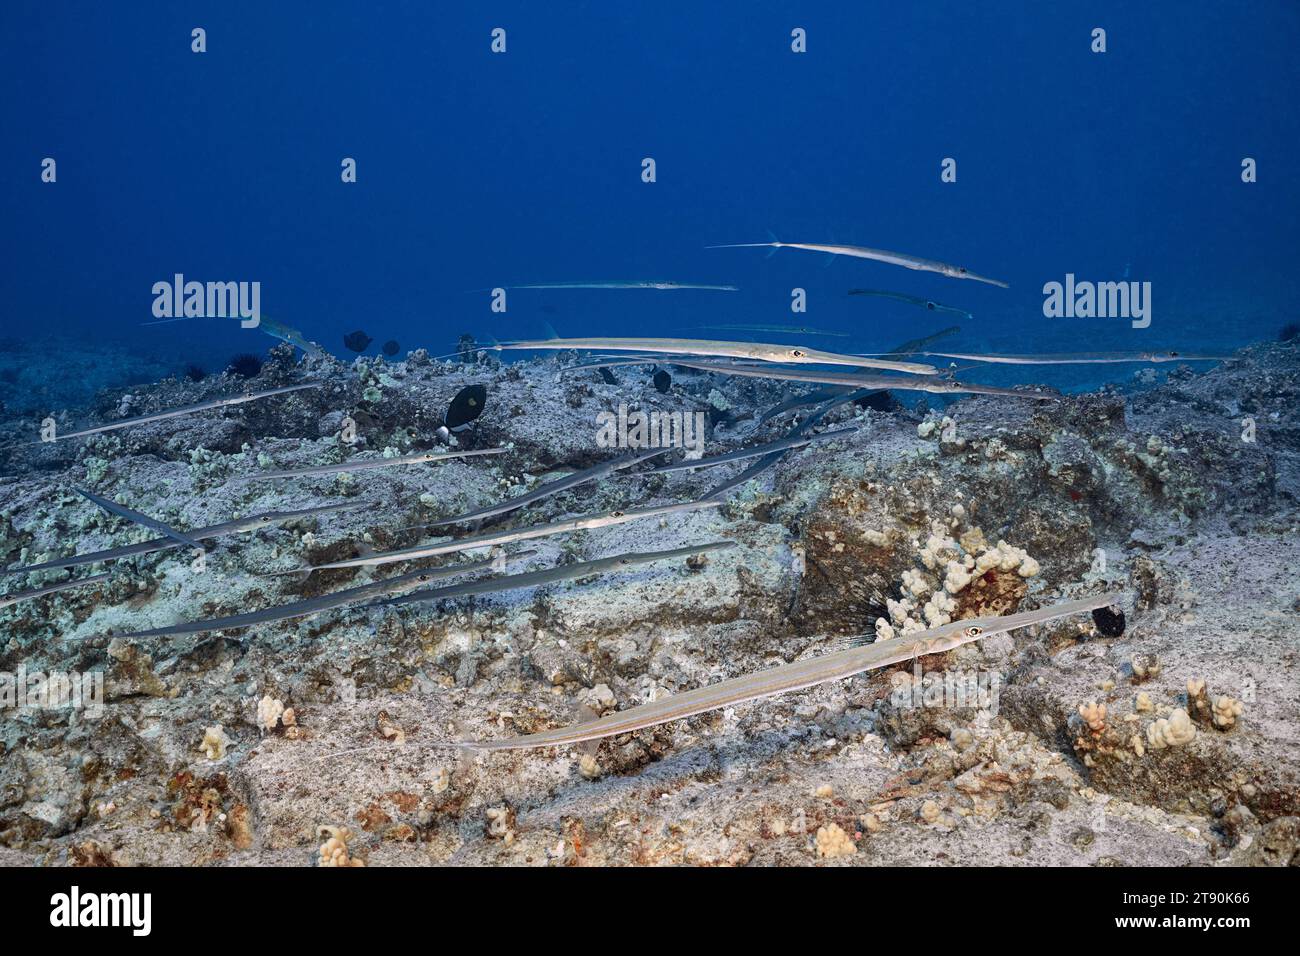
[842,377]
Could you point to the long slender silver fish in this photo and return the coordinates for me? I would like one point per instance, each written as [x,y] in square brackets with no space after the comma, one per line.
[361,464]
[181,412]
[551,488]
[939,386]
[842,394]
[153,524]
[793,677]
[566,572]
[879,255]
[277,330]
[757,451]
[621,284]
[249,523]
[324,602]
[928,304]
[499,538]
[1080,358]
[754,351]
[8,599]
[815,397]
[784,329]
[286,333]
[914,346]
[718,492]
[615,361]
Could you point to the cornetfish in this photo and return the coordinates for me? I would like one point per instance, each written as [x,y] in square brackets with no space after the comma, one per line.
[276,330]
[1080,358]
[551,488]
[843,393]
[8,599]
[784,329]
[756,451]
[180,412]
[914,346]
[616,361]
[499,538]
[291,335]
[880,255]
[940,386]
[565,572]
[619,284]
[769,460]
[249,523]
[929,304]
[360,464]
[324,602]
[756,351]
[792,677]
[144,520]
[815,397]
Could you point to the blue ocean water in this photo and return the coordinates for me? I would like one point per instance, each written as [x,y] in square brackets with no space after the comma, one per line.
[478,169]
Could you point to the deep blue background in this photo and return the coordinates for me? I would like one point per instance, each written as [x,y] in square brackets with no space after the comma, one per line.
[478,169]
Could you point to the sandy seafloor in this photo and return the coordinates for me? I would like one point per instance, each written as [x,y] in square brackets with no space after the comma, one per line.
[1197,526]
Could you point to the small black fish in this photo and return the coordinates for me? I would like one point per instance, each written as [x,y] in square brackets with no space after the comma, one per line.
[466,406]
[1109,621]
[391,347]
[608,376]
[663,381]
[357,341]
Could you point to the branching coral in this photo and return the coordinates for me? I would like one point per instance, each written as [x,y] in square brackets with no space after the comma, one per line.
[957,578]
[334,851]
[269,712]
[1145,667]
[1199,707]
[1226,712]
[1094,716]
[1173,731]
[833,842]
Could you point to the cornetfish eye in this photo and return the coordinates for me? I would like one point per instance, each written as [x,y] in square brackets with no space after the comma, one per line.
[796,353]
[974,631]
[616,514]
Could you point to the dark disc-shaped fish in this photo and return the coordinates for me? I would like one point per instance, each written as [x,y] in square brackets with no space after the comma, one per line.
[391,347]
[466,406]
[663,381]
[357,341]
